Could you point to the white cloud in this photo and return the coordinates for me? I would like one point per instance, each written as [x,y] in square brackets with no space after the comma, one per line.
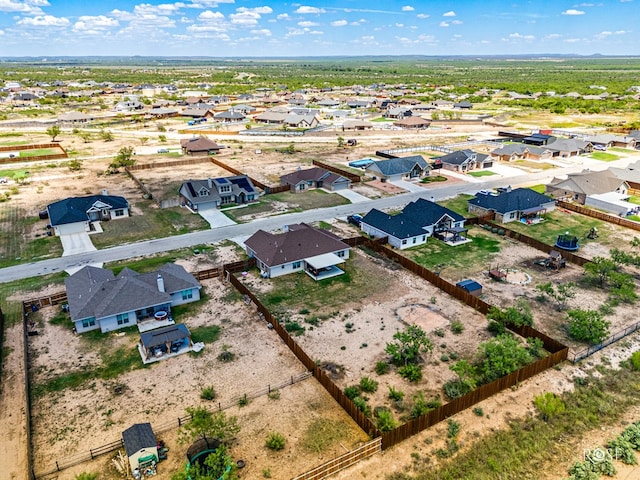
[208,3]
[261,10]
[552,36]
[308,24]
[245,18]
[423,15]
[283,16]
[265,32]
[208,15]
[307,9]
[573,40]
[456,22]
[450,13]
[294,32]
[518,36]
[444,24]
[408,8]
[573,11]
[45,21]
[29,7]
[96,24]
[399,25]
[339,23]
[1,32]
[420,39]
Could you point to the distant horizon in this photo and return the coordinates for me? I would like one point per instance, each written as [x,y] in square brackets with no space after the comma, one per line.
[351,28]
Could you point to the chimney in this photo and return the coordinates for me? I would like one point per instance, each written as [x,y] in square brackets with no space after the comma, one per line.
[210,183]
[104,192]
[160,281]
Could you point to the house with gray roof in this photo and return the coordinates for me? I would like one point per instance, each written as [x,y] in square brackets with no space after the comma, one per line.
[399,168]
[569,147]
[519,151]
[230,116]
[77,214]
[316,177]
[521,204]
[465,161]
[99,299]
[418,221]
[216,192]
[580,186]
[300,248]
[609,140]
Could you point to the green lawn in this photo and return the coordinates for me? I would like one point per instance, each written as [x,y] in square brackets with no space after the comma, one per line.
[153,223]
[433,179]
[481,173]
[459,261]
[37,152]
[458,204]
[540,188]
[296,202]
[634,199]
[603,156]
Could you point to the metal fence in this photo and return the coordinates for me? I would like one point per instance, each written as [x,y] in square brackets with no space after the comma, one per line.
[605,217]
[582,354]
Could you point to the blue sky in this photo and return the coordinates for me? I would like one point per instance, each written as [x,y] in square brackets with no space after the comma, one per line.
[263,28]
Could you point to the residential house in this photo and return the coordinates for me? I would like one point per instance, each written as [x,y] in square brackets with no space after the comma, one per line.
[99,299]
[216,192]
[416,123]
[609,140]
[417,221]
[315,177]
[129,105]
[398,112]
[579,186]
[398,168]
[301,248]
[356,124]
[77,214]
[309,120]
[538,139]
[569,147]
[230,116]
[463,105]
[521,204]
[518,151]
[140,445]
[199,146]
[271,116]
[75,118]
[198,112]
[244,109]
[465,161]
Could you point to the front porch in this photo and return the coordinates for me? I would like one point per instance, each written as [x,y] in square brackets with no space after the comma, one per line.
[323,266]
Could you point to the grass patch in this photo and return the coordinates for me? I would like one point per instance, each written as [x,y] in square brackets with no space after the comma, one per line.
[481,173]
[434,179]
[540,188]
[323,433]
[437,255]
[634,199]
[458,204]
[530,444]
[603,156]
[205,334]
[12,309]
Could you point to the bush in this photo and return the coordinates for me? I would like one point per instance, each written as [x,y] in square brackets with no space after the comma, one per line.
[588,326]
[421,405]
[395,395]
[457,327]
[635,360]
[439,332]
[411,372]
[352,391]
[453,428]
[274,394]
[275,441]
[456,388]
[385,420]
[382,368]
[244,401]
[208,393]
[623,450]
[549,405]
[362,405]
[478,412]
[368,385]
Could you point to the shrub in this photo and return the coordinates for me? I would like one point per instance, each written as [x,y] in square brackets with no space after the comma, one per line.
[244,401]
[444,357]
[587,326]
[362,405]
[421,405]
[453,428]
[274,394]
[208,393]
[385,420]
[368,385]
[457,327]
[411,372]
[352,391]
[294,328]
[395,395]
[439,332]
[382,368]
[549,405]
[635,360]
[623,449]
[478,412]
[86,476]
[275,441]
[456,388]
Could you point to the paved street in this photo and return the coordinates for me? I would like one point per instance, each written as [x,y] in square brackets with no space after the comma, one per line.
[437,191]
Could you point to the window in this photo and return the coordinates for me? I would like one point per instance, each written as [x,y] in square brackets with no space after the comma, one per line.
[296,265]
[414,239]
[512,215]
[89,322]
[404,242]
[224,188]
[340,253]
[123,318]
[424,238]
[118,213]
[187,294]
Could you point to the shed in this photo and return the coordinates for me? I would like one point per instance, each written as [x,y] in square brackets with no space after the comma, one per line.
[471,286]
[140,445]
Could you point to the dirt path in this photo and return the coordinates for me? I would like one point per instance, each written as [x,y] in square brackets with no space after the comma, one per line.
[13,451]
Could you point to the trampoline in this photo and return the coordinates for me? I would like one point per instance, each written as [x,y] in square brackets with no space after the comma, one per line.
[568,242]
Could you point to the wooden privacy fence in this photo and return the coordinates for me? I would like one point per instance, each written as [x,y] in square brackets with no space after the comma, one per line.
[37,146]
[345,173]
[173,163]
[343,461]
[605,217]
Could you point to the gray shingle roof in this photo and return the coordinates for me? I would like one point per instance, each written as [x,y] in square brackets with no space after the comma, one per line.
[164,335]
[395,225]
[137,437]
[396,166]
[516,200]
[462,156]
[74,209]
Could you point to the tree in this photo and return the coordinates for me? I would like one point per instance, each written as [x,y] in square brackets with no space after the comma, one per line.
[409,345]
[500,356]
[214,467]
[74,165]
[340,142]
[466,373]
[85,136]
[123,159]
[588,326]
[162,138]
[549,405]
[599,269]
[53,131]
[211,425]
[561,294]
[106,135]
[144,140]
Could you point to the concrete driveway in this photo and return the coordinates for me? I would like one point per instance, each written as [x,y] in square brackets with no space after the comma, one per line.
[74,243]
[215,217]
[353,197]
[409,186]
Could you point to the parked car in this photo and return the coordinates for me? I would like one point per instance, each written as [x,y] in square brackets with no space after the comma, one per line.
[602,148]
[4,180]
[355,219]
[163,150]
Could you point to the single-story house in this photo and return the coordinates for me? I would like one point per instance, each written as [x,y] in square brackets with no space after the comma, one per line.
[609,140]
[630,174]
[538,139]
[75,117]
[398,168]
[315,177]
[412,122]
[197,112]
[356,124]
[301,248]
[417,221]
[199,146]
[215,192]
[309,120]
[230,116]
[160,342]
[465,161]
[463,105]
[521,204]
[99,299]
[518,151]
[569,147]
[579,186]
[76,214]
[140,445]
[271,116]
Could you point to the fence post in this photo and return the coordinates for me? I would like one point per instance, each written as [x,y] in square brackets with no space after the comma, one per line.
[179,422]
[268,388]
[57,466]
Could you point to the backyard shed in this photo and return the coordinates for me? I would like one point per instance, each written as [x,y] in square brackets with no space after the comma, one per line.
[140,445]
[471,286]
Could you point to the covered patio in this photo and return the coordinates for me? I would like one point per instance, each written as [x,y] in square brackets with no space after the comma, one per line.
[453,236]
[531,216]
[164,342]
[323,266]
